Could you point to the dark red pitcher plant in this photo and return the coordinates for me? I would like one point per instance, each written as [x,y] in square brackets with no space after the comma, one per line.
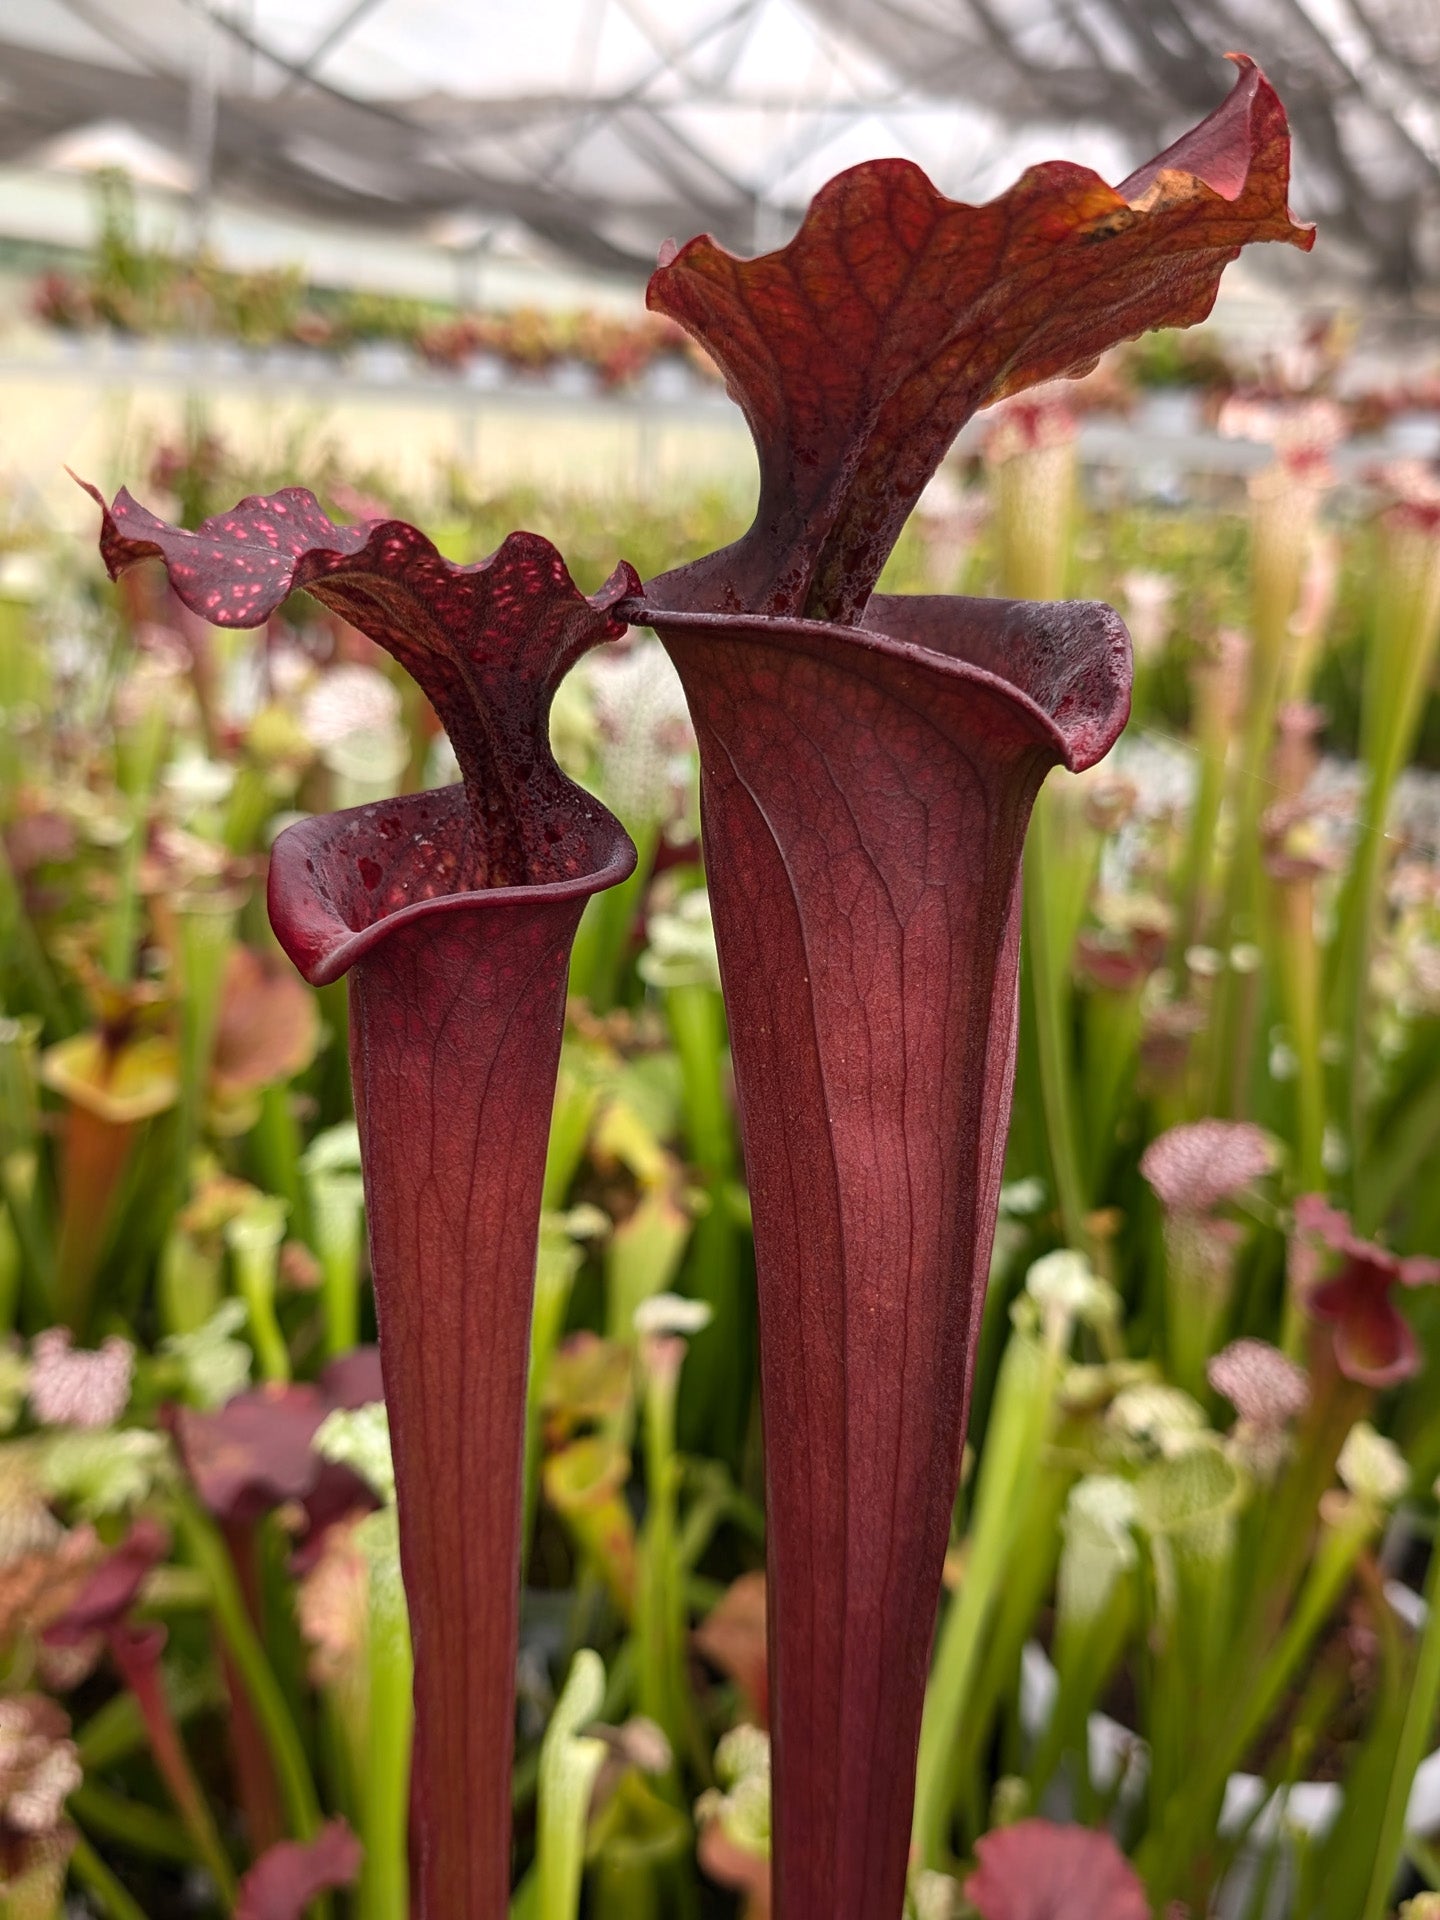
[452,913]
[868,765]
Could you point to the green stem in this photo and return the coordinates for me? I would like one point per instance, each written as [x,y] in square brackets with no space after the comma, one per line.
[100,1883]
[20,942]
[626,1890]
[207,1550]
[1400,1153]
[134,1823]
[11,1264]
[1112,1024]
[1171,1844]
[695,1015]
[659,1633]
[188,1288]
[1198,1294]
[718,1371]
[276,1146]
[569,1763]
[1085,1657]
[139,754]
[206,928]
[1194,888]
[122,938]
[1018,1421]
[269,1341]
[254,1239]
[1416,1732]
[598,957]
[32,1229]
[252,801]
[1284,1548]
[385,1876]
[1299,956]
[557,1261]
[1425,1858]
[1398,664]
[1232,1028]
[1047,974]
[577,1095]
[337,1209]
[1362,906]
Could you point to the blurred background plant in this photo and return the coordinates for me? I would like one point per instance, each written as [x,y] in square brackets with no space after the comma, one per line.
[1191,1594]
[145,291]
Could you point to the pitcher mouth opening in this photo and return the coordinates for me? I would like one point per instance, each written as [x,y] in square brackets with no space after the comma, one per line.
[1065,666]
[342,882]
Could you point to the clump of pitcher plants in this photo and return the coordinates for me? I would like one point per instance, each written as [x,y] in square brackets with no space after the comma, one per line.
[833,813]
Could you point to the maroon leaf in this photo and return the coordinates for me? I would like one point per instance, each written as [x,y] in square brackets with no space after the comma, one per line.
[112,1589]
[489,644]
[865,788]
[254,1453]
[283,1882]
[1375,1345]
[865,794]
[456,1007]
[1038,1871]
[456,1017]
[353,1379]
[456,911]
[858,351]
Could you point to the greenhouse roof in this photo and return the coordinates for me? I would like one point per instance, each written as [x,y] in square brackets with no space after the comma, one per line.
[603,126]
